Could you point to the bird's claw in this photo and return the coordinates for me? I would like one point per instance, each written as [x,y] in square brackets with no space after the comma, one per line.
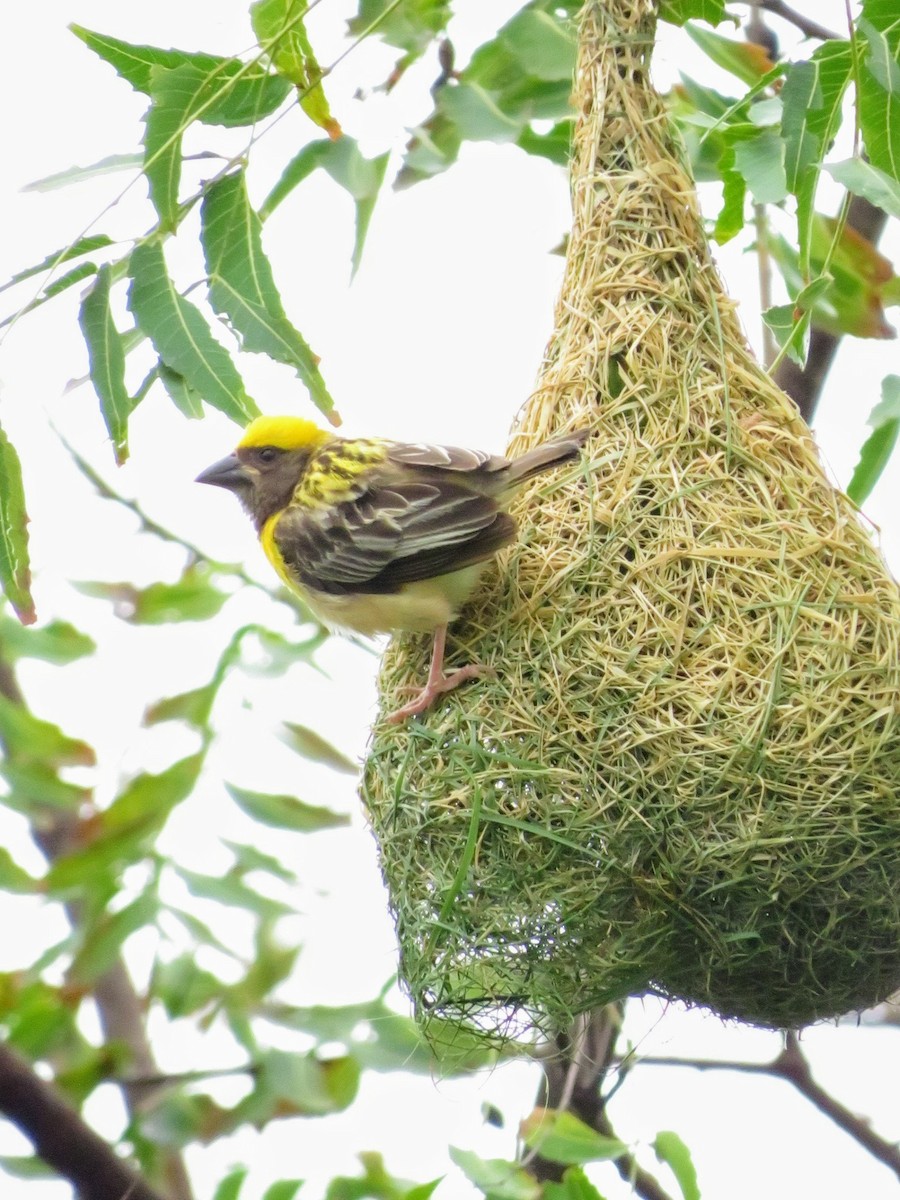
[435,688]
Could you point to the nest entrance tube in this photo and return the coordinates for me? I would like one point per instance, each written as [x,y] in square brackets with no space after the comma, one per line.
[685,779]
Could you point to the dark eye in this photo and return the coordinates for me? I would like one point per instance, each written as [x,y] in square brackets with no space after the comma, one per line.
[267,454]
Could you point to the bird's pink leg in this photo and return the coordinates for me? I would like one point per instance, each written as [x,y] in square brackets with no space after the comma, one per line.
[437,682]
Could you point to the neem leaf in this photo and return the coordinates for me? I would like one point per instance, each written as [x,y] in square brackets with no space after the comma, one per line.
[879,85]
[862,179]
[543,45]
[15,572]
[242,286]
[812,97]
[563,1138]
[313,746]
[362,177]
[135,63]
[672,1151]
[106,354]
[879,446]
[85,245]
[285,812]
[279,28]
[182,336]
[497,1178]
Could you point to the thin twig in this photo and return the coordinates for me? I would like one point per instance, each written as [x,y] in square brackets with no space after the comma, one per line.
[806,25]
[792,1066]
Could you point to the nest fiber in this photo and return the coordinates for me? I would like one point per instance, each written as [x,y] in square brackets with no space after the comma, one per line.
[685,778]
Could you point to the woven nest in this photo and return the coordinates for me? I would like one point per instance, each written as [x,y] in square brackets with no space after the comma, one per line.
[685,778]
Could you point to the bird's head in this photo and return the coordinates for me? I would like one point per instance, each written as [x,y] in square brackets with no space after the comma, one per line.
[267,464]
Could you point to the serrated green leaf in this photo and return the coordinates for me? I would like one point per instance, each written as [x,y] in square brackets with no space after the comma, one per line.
[747,60]
[879,86]
[862,179]
[85,245]
[242,286]
[182,336]
[105,166]
[106,354]
[57,642]
[812,98]
[102,940]
[285,812]
[497,1178]
[880,444]
[178,96]
[135,63]
[15,570]
[312,745]
[676,12]
[279,28]
[672,1151]
[563,1138]
[730,220]
[362,177]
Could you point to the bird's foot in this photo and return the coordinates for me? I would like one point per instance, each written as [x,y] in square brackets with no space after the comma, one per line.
[434,688]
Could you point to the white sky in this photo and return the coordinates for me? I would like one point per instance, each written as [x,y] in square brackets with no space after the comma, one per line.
[438,338]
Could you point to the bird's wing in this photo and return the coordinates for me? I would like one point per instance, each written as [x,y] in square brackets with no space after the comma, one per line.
[444,458]
[394,533]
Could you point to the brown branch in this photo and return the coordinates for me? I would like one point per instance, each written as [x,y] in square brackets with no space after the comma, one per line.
[806,25]
[62,1139]
[572,1082]
[118,1004]
[804,384]
[792,1066]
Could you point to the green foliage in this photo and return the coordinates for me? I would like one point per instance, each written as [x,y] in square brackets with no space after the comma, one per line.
[106,875]
[15,573]
[879,446]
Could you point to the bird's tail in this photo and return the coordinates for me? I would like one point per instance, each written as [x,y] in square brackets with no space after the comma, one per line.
[546,456]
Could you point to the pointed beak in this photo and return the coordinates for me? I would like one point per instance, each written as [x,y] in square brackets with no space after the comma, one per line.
[226,473]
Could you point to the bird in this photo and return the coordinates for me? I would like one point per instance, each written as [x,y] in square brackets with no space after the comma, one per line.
[381,536]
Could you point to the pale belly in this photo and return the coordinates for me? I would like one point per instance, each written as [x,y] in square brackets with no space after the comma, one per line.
[418,608]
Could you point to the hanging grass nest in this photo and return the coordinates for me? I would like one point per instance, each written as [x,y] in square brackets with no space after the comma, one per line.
[685,778]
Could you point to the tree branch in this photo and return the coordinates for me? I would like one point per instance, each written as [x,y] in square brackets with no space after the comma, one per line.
[806,25]
[572,1082]
[62,1139]
[792,1066]
[118,1005]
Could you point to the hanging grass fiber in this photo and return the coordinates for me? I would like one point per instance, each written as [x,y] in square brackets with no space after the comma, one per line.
[685,778]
